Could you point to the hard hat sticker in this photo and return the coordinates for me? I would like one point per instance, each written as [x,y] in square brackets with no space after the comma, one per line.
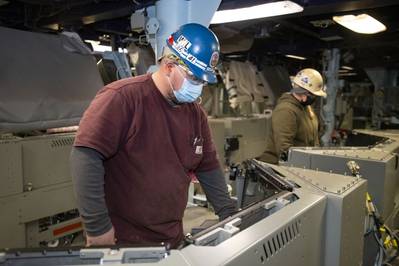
[183,53]
[183,42]
[191,58]
[170,40]
[214,59]
[305,80]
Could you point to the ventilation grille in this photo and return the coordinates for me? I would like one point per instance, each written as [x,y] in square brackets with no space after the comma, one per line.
[62,142]
[279,241]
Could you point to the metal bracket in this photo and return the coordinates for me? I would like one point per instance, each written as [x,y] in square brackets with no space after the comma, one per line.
[125,255]
[353,167]
[275,205]
[219,235]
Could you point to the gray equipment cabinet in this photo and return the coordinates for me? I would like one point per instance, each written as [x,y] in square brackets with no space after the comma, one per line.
[36,197]
[317,222]
[50,90]
[250,133]
[377,166]
[377,162]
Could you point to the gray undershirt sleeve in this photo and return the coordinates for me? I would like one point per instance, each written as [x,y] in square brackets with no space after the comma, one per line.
[215,188]
[88,178]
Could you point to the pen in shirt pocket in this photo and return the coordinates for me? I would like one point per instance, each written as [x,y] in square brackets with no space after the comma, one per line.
[195,141]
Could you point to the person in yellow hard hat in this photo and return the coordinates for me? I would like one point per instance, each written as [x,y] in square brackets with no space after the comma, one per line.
[294,123]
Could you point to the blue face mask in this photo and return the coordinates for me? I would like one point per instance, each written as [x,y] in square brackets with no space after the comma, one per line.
[188,92]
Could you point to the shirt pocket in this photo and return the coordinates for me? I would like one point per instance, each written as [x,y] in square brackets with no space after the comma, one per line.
[196,151]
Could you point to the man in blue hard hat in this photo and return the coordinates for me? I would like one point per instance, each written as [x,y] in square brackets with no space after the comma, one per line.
[140,141]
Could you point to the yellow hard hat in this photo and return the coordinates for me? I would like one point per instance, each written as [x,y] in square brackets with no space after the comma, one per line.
[310,80]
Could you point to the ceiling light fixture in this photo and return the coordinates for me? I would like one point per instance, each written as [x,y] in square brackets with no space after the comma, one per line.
[362,23]
[295,57]
[259,11]
[347,67]
[97,47]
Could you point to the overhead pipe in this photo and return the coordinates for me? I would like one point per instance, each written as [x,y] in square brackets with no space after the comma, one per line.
[171,14]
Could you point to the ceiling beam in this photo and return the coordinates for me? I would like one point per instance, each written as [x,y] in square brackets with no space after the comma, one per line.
[319,7]
[93,13]
[299,29]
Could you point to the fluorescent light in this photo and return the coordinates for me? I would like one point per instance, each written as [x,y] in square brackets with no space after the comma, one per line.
[97,47]
[254,12]
[361,23]
[123,51]
[295,57]
[347,67]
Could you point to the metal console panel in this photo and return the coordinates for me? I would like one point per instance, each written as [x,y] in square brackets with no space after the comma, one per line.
[391,144]
[19,210]
[379,167]
[319,223]
[250,131]
[376,155]
[294,230]
[36,184]
[46,160]
[344,213]
[289,236]
[11,167]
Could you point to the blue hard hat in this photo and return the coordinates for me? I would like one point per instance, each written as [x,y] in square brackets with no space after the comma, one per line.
[198,47]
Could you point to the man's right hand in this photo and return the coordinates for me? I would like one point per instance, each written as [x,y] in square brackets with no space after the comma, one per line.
[106,239]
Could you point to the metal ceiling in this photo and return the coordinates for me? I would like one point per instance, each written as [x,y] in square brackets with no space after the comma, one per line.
[306,33]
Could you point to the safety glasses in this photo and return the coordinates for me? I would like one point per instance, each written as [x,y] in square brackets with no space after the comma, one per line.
[190,76]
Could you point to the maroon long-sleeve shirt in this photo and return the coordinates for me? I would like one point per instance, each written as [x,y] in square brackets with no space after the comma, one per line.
[149,147]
